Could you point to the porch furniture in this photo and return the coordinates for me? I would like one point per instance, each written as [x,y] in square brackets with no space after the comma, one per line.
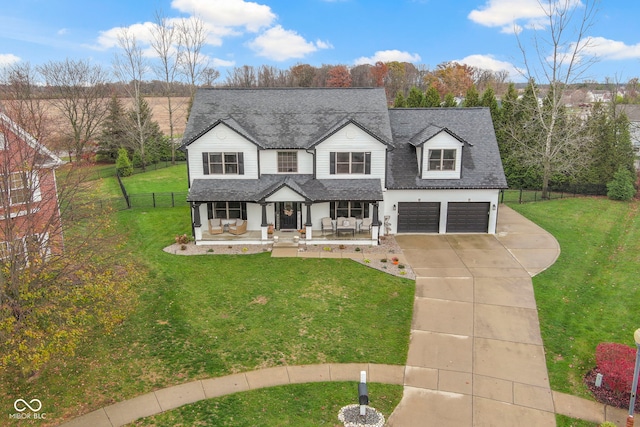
[346,225]
[327,224]
[366,225]
[215,226]
[239,227]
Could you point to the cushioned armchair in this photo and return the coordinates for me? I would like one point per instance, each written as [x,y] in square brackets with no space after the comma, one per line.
[327,225]
[215,226]
[366,225]
[238,227]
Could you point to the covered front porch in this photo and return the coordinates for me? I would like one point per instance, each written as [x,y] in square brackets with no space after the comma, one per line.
[293,208]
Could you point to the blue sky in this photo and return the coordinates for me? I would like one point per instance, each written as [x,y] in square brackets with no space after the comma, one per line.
[285,32]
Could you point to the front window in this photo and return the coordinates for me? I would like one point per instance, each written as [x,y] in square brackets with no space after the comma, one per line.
[223,163]
[442,160]
[287,161]
[350,163]
[349,209]
[227,210]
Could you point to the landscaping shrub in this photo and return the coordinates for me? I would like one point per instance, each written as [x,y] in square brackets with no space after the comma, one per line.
[615,363]
[621,187]
[123,164]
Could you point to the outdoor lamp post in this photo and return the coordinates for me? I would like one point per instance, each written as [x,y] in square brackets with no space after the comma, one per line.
[632,400]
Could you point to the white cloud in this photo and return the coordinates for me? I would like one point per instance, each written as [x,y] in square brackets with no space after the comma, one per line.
[142,33]
[8,59]
[279,44]
[388,56]
[610,49]
[62,31]
[505,14]
[229,13]
[489,62]
[217,62]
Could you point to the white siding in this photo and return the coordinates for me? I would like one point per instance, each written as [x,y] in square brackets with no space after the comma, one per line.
[269,162]
[393,197]
[222,139]
[442,141]
[285,194]
[351,139]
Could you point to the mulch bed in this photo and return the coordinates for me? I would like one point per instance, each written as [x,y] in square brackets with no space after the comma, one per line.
[607,396]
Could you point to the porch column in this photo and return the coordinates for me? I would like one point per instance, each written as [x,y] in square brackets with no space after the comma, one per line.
[264,226]
[197,223]
[375,223]
[308,225]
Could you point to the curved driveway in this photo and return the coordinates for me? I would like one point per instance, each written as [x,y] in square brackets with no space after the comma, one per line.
[476,356]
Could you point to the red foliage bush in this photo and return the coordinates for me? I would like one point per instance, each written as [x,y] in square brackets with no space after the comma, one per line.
[616,362]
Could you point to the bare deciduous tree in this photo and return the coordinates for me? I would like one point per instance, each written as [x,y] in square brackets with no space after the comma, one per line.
[78,89]
[192,34]
[164,42]
[130,67]
[560,57]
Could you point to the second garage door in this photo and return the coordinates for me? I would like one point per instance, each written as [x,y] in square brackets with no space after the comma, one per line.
[418,217]
[471,217]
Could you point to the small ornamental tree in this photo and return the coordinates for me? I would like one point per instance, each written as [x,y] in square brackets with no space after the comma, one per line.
[621,188]
[616,363]
[123,164]
[400,101]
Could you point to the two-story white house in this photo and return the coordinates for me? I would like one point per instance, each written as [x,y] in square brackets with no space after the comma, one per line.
[338,164]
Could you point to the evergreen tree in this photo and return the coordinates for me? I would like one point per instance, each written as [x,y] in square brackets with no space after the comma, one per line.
[489,100]
[432,97]
[472,97]
[449,101]
[415,98]
[147,131]
[113,134]
[621,187]
[399,102]
[123,164]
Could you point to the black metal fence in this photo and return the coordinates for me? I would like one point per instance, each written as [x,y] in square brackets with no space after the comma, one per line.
[557,192]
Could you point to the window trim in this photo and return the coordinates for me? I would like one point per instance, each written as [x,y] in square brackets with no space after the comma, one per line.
[31,188]
[213,208]
[441,160]
[289,153]
[208,163]
[334,163]
[334,207]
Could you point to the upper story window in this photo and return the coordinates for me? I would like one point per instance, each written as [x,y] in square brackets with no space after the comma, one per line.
[18,187]
[3,142]
[442,160]
[350,163]
[287,161]
[223,163]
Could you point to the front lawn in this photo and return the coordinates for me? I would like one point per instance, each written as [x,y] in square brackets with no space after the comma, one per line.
[591,294]
[212,315]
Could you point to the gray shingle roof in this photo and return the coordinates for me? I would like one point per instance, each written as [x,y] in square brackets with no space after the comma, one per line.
[289,117]
[481,164]
[257,190]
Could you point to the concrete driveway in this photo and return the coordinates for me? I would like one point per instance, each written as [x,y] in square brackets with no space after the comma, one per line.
[476,356]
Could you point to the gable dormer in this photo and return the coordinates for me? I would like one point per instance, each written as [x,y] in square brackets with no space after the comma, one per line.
[439,153]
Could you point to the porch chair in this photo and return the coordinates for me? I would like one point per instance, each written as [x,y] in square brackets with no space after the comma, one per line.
[239,227]
[215,226]
[365,225]
[326,224]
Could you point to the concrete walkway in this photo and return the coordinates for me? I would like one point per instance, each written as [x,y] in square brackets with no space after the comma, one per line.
[475,357]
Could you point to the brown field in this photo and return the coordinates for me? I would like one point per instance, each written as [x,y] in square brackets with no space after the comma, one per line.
[159,107]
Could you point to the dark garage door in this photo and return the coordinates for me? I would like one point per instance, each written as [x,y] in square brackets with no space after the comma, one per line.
[472,217]
[418,217]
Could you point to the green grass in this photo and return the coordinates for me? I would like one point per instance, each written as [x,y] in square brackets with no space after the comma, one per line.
[563,421]
[591,294]
[166,180]
[213,315]
[300,405]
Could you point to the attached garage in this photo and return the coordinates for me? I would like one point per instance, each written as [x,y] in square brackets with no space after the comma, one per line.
[467,217]
[418,217]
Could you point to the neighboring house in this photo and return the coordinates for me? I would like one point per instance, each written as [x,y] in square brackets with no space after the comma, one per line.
[29,213]
[291,157]
[633,114]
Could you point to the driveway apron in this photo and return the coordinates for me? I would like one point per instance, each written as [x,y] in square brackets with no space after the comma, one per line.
[476,356]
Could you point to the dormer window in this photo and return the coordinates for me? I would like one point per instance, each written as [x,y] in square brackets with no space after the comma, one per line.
[442,160]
